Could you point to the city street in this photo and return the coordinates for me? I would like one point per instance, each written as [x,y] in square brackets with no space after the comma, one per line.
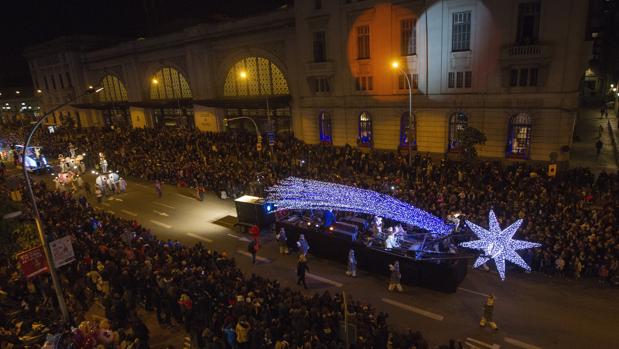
[532,310]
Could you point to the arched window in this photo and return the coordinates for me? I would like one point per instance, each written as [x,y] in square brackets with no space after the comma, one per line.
[260,77]
[324,126]
[113,89]
[168,83]
[519,136]
[405,124]
[457,122]
[365,129]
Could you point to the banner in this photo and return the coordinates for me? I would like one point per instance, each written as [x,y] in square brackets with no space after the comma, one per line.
[62,251]
[32,262]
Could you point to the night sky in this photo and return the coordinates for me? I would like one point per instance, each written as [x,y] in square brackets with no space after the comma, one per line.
[28,22]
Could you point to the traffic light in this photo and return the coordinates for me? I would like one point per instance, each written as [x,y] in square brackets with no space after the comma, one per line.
[225,122]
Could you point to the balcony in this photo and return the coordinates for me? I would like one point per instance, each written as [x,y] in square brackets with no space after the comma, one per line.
[539,54]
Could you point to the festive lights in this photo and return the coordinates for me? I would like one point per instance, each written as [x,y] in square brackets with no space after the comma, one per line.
[303,194]
[498,244]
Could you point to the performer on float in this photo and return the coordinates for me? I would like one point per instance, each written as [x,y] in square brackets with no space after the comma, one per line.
[391,241]
[395,276]
[102,163]
[122,184]
[303,245]
[62,162]
[486,318]
[377,227]
[282,239]
[352,264]
[72,149]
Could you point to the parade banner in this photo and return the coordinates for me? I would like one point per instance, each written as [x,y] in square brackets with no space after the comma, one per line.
[62,251]
[32,262]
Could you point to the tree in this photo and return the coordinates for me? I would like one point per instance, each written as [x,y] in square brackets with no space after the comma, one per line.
[467,138]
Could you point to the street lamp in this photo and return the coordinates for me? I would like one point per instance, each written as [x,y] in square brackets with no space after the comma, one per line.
[37,216]
[39,91]
[396,66]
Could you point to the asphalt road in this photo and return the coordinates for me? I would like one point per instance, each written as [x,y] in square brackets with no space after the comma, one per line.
[532,311]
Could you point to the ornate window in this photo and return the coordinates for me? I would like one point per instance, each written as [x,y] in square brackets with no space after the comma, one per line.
[324,126]
[261,77]
[365,129]
[113,89]
[169,83]
[519,141]
[405,123]
[457,122]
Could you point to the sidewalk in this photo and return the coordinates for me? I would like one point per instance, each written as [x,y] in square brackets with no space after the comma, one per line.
[586,134]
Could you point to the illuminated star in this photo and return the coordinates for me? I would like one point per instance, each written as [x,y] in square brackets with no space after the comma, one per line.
[498,244]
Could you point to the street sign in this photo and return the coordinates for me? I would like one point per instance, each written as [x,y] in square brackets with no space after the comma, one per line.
[62,251]
[552,170]
[32,262]
[259,146]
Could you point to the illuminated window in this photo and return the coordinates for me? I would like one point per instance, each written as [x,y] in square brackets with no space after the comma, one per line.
[408,37]
[363,42]
[262,77]
[461,31]
[324,126]
[457,122]
[408,128]
[113,89]
[169,83]
[519,141]
[365,129]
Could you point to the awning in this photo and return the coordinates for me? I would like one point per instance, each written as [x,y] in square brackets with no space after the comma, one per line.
[247,102]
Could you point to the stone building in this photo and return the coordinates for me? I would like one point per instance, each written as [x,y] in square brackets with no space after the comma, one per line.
[324,71]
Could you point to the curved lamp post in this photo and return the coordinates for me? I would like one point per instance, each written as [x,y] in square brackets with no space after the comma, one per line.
[395,65]
[37,216]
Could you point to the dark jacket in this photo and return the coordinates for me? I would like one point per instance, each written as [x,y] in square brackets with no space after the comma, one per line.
[302,268]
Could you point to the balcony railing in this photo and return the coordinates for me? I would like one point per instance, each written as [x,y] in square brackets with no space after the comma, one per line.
[515,53]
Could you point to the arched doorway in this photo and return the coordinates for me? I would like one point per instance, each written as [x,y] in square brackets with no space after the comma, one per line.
[171,88]
[458,121]
[114,99]
[366,136]
[519,136]
[324,128]
[256,87]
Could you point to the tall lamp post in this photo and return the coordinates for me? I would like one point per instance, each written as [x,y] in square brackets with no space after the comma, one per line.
[37,216]
[395,65]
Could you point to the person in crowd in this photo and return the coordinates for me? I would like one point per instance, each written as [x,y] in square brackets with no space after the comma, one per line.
[282,240]
[394,277]
[303,245]
[302,268]
[158,188]
[253,248]
[352,264]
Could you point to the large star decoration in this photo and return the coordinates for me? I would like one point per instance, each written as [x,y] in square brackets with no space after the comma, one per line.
[498,244]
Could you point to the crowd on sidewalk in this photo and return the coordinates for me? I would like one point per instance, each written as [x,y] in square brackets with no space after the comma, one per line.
[574,215]
[123,266]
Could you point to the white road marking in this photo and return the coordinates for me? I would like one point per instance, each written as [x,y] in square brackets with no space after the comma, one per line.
[184,196]
[117,199]
[161,213]
[106,204]
[160,224]
[258,258]
[110,211]
[484,344]
[240,238]
[129,213]
[520,344]
[410,308]
[473,292]
[200,237]
[325,280]
[164,205]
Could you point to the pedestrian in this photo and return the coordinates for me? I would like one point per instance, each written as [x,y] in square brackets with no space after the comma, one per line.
[302,245]
[158,187]
[253,249]
[282,240]
[394,277]
[302,267]
[486,318]
[598,147]
[352,264]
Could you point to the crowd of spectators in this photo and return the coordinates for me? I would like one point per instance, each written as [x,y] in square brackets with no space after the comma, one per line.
[123,266]
[573,215]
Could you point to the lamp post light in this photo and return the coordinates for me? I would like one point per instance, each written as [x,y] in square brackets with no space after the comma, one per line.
[395,65]
[37,217]
[243,75]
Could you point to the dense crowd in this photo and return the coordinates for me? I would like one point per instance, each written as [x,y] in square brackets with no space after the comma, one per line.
[123,266]
[574,215]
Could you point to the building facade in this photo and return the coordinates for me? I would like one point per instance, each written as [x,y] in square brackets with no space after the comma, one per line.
[323,70]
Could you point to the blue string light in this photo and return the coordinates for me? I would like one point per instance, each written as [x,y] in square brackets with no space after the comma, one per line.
[498,244]
[303,194]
